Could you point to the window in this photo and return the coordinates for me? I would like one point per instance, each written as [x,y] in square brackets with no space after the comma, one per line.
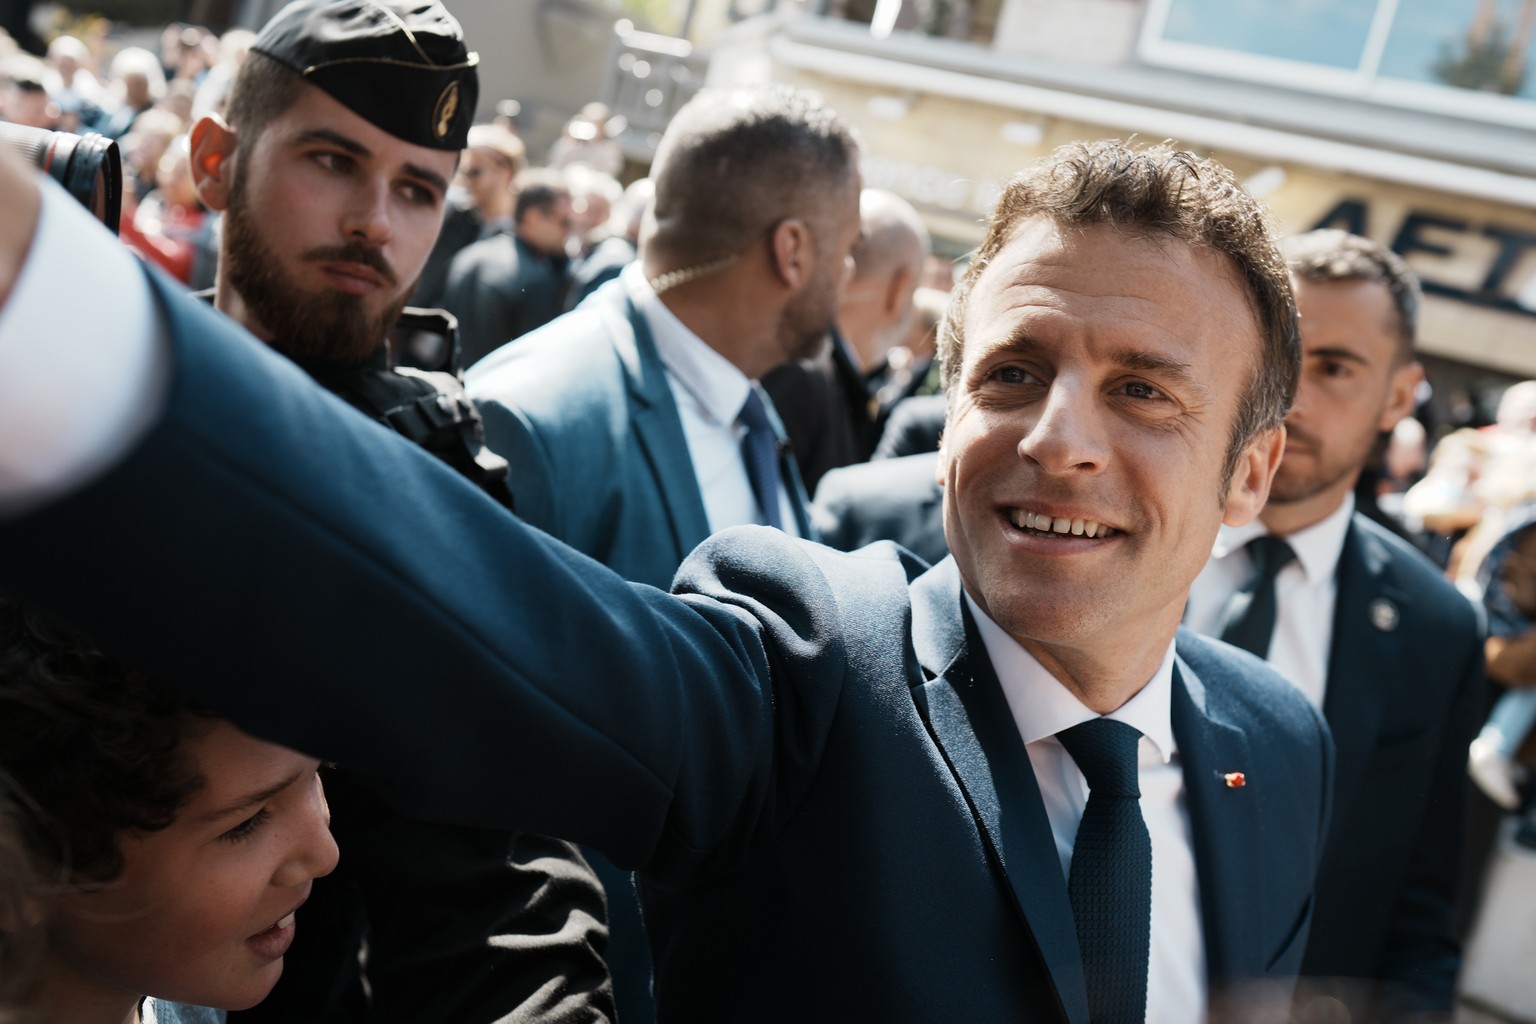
[1471,57]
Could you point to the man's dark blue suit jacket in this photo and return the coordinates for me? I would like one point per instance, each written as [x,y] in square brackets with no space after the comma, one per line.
[806,757]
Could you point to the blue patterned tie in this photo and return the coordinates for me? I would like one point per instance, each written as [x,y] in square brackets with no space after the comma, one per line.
[760,452]
[1249,619]
[1110,885]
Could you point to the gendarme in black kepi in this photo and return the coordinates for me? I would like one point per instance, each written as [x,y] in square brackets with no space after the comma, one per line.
[401,64]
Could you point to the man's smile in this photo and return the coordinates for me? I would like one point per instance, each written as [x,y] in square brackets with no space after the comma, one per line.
[1075,526]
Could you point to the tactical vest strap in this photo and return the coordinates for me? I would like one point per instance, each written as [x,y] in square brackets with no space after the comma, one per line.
[430,408]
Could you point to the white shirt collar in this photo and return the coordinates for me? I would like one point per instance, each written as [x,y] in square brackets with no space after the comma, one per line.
[713,380]
[1042,707]
[1317,547]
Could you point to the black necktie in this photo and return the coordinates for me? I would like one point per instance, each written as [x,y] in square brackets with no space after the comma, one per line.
[1249,620]
[1110,884]
[760,452]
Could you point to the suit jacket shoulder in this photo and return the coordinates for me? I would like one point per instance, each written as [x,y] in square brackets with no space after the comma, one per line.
[889,499]
[584,415]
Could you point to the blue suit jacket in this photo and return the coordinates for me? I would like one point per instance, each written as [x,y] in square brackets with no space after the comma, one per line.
[806,757]
[583,413]
[1404,686]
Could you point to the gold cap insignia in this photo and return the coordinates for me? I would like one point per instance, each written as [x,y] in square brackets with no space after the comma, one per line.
[447,107]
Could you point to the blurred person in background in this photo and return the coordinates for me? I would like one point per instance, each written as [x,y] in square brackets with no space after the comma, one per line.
[167,225]
[213,89]
[135,83]
[593,198]
[504,286]
[618,246]
[479,205]
[24,95]
[826,402]
[72,71]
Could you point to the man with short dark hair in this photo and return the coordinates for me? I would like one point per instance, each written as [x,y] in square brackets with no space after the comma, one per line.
[650,379]
[1371,633]
[626,421]
[507,285]
[343,128]
[492,159]
[1001,790]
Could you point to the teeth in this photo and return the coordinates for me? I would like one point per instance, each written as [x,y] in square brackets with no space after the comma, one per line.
[285,922]
[1026,520]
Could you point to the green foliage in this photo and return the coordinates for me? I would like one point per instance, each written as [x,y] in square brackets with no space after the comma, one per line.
[1484,65]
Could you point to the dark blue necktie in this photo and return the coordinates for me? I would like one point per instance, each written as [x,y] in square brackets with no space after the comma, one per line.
[760,452]
[1110,885]
[1249,619]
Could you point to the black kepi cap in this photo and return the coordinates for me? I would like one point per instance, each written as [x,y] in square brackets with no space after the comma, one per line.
[400,64]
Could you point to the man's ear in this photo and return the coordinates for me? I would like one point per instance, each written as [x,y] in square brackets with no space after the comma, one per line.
[1402,395]
[213,146]
[1249,488]
[898,294]
[791,245]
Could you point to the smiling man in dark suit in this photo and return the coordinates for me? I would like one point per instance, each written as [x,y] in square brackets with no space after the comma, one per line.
[1371,632]
[999,790]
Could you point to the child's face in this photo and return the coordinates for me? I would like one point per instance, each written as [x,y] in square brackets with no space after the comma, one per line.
[203,911]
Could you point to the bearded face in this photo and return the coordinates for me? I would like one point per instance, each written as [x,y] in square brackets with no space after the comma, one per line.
[313,327]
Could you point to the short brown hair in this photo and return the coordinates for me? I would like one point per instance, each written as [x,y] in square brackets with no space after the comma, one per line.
[1329,254]
[263,88]
[734,162]
[1157,190]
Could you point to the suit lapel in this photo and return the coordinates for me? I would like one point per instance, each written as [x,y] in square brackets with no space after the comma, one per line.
[970,720]
[657,425]
[1226,831]
[1361,660]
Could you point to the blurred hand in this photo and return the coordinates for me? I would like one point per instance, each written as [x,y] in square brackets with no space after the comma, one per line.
[19,205]
[1495,774]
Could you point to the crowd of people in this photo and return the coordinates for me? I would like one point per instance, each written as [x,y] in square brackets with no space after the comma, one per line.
[1158,709]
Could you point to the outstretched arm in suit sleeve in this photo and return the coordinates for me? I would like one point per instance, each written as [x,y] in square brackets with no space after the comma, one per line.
[535,690]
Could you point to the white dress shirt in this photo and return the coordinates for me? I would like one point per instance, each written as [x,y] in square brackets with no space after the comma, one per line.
[1042,707]
[71,405]
[709,391]
[1306,592]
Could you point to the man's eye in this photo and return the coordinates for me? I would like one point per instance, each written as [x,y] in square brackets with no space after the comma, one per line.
[246,828]
[1012,375]
[333,161]
[418,194]
[1141,389]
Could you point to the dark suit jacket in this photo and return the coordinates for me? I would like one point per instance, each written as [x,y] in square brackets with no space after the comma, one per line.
[500,289]
[827,411]
[583,413]
[913,427]
[888,499]
[807,758]
[1404,682]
